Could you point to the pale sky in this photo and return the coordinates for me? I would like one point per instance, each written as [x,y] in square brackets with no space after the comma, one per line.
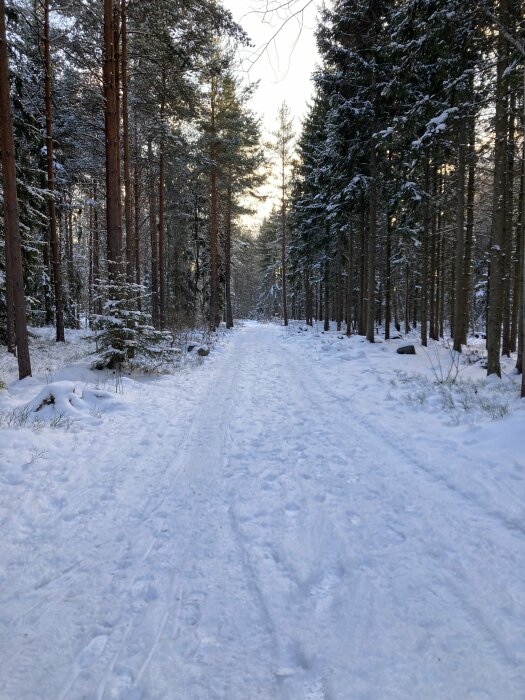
[283,69]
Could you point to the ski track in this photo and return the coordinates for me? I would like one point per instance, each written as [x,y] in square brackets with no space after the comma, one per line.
[251,535]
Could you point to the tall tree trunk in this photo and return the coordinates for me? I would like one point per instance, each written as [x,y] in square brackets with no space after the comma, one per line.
[308,299]
[228,253]
[442,269]
[516,293]
[162,275]
[433,306]
[214,215]
[136,192]
[283,239]
[13,239]
[521,264]
[388,276]
[72,282]
[116,55]
[125,142]
[460,296]
[338,283]
[372,234]
[154,240]
[111,123]
[407,299]
[363,296]
[424,261]
[9,297]
[97,307]
[349,282]
[507,236]
[494,313]
[326,285]
[53,233]
[469,229]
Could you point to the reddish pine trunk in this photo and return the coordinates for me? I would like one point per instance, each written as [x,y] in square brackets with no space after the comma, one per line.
[111,119]
[14,270]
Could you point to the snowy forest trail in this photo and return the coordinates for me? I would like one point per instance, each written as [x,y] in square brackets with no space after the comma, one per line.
[248,534]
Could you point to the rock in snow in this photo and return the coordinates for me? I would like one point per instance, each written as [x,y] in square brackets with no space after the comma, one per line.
[406,350]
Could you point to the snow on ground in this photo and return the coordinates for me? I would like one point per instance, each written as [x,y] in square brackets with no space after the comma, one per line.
[299,516]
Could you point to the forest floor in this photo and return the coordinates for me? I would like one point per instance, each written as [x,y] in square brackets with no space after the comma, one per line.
[298,516]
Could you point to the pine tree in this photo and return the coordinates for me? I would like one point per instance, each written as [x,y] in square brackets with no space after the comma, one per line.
[16,302]
[283,140]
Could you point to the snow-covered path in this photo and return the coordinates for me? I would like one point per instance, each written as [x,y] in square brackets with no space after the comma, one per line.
[248,534]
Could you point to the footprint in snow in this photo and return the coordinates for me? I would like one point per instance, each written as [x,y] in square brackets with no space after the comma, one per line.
[191,609]
[142,593]
[92,651]
[292,659]
[292,508]
[354,518]
[326,584]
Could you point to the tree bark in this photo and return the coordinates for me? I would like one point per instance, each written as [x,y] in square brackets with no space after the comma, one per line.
[125,142]
[136,233]
[516,293]
[228,253]
[214,216]
[154,240]
[111,122]
[372,234]
[349,282]
[494,311]
[363,296]
[326,285]
[508,231]
[13,239]
[460,293]
[338,284]
[521,265]
[469,229]
[162,276]
[53,233]
[97,307]
[388,276]
[424,261]
[283,237]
